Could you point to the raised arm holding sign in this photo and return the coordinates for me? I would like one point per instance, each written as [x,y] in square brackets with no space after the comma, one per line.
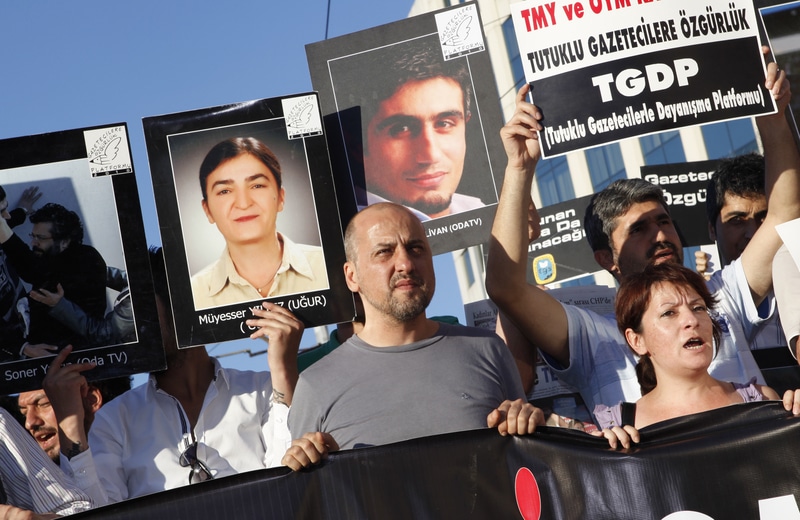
[629,228]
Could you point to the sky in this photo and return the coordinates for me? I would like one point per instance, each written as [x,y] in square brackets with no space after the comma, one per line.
[75,64]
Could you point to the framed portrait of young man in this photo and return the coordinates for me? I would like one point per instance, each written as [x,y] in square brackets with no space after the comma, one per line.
[412,114]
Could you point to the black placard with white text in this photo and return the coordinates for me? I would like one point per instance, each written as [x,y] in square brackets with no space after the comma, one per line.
[685,188]
[561,251]
[603,71]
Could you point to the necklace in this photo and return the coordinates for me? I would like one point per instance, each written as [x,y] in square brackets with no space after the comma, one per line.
[268,282]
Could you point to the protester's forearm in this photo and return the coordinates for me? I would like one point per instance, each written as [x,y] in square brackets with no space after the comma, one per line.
[284,376]
[782,167]
[508,249]
[72,436]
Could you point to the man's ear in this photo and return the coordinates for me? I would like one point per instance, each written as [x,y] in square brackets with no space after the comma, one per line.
[281,198]
[605,259]
[205,210]
[63,244]
[93,400]
[712,232]
[636,342]
[351,276]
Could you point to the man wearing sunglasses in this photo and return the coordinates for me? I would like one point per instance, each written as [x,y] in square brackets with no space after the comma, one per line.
[192,422]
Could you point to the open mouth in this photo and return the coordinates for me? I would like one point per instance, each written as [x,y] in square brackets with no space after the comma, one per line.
[43,437]
[663,254]
[694,344]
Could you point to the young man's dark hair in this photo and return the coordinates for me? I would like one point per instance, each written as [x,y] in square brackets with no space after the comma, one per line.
[394,66]
[111,388]
[66,224]
[599,221]
[743,176]
[389,68]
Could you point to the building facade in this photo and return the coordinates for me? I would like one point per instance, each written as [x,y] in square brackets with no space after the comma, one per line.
[585,172]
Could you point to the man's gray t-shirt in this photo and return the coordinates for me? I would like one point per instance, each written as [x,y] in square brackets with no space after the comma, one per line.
[367,396]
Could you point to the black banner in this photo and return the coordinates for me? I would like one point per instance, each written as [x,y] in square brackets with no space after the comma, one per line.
[738,462]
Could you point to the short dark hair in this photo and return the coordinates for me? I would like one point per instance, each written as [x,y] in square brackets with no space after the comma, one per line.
[416,60]
[66,224]
[2,193]
[114,387]
[232,148]
[741,176]
[390,68]
[633,298]
[600,218]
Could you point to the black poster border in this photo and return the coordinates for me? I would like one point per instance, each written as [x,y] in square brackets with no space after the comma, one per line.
[195,327]
[447,233]
[143,354]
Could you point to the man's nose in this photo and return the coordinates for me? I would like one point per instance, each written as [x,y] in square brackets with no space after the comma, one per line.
[661,234]
[32,419]
[402,261]
[428,149]
[751,228]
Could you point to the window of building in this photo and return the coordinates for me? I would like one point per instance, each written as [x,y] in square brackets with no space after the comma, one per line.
[468,267]
[554,181]
[513,53]
[579,282]
[605,165]
[729,138]
[662,148]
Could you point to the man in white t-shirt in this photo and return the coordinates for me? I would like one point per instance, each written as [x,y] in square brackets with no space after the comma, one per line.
[628,226]
[192,422]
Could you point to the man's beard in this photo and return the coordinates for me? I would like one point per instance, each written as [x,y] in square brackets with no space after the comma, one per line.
[53,250]
[53,455]
[406,309]
[431,204]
